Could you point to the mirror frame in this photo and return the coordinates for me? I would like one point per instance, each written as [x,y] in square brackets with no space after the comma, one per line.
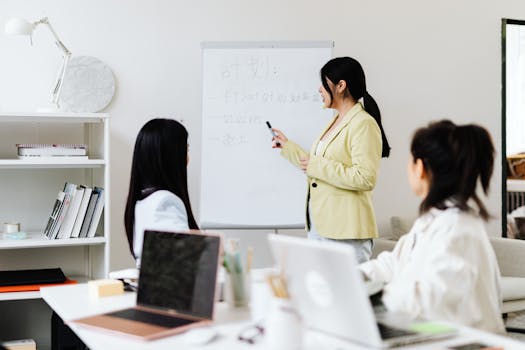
[504,23]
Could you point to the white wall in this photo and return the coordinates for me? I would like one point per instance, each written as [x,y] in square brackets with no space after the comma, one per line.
[424,60]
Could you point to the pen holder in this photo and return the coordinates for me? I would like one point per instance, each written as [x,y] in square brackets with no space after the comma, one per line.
[283,326]
[237,289]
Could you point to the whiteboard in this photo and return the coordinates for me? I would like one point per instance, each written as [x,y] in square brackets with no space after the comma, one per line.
[244,182]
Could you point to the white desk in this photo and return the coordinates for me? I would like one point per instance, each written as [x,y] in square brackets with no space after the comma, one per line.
[71,302]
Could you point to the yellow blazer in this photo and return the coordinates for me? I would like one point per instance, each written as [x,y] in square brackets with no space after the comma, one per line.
[342,176]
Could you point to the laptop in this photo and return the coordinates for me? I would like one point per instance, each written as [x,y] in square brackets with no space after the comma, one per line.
[331,295]
[176,289]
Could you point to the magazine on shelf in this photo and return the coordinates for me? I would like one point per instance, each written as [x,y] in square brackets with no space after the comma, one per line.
[54,214]
[69,189]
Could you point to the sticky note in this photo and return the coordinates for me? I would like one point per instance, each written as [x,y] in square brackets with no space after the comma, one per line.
[104,288]
[431,328]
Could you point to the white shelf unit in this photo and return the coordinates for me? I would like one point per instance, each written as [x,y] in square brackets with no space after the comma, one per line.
[28,189]
[51,163]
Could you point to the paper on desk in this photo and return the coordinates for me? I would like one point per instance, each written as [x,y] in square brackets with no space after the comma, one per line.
[474,346]
[129,274]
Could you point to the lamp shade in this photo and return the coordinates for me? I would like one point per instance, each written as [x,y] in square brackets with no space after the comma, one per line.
[18,26]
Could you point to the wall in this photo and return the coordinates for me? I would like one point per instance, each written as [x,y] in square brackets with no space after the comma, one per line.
[424,60]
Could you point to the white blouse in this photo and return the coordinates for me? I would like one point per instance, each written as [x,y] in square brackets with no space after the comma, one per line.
[443,269]
[161,210]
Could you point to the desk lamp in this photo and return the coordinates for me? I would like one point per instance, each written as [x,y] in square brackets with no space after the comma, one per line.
[19,26]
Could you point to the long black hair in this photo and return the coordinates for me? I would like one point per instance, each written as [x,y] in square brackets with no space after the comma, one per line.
[350,71]
[456,157]
[159,163]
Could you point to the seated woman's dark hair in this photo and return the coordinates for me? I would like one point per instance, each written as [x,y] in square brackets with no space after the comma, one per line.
[456,158]
[350,71]
[159,163]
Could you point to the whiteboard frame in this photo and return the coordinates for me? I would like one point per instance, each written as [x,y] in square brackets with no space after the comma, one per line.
[258,45]
[267,44]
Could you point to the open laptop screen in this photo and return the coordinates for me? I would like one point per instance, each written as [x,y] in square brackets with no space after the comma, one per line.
[178,272]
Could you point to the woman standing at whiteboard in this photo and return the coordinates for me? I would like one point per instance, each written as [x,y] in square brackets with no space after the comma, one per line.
[158,190]
[343,162]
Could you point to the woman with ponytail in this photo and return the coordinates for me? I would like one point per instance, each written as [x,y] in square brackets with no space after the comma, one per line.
[445,268]
[343,162]
[158,190]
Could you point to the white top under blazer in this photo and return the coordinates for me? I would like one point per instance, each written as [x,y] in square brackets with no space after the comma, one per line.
[443,269]
[162,211]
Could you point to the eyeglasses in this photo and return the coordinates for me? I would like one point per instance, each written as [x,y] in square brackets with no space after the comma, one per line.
[251,334]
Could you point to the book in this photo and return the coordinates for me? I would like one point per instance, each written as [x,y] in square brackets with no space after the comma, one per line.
[81,212]
[97,213]
[69,221]
[68,190]
[54,214]
[89,212]
[51,150]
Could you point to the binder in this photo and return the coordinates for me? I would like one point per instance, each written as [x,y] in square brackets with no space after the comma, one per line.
[28,277]
[81,212]
[89,213]
[97,213]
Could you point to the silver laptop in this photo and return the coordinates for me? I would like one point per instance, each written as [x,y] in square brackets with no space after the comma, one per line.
[176,291]
[330,293]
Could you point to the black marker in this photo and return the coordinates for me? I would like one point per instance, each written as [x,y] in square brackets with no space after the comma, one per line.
[273,132]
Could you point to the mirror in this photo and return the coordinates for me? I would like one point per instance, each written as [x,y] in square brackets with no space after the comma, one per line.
[513,128]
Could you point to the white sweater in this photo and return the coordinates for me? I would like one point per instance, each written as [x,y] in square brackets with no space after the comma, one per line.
[443,269]
[161,210]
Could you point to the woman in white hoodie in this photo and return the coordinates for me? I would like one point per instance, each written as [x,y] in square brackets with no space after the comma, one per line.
[445,268]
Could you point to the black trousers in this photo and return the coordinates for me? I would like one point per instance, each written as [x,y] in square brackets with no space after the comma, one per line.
[62,337]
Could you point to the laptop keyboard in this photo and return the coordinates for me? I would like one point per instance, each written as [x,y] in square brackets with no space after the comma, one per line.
[151,318]
[388,332]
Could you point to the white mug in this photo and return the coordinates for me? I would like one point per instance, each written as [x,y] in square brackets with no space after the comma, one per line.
[283,326]
[261,299]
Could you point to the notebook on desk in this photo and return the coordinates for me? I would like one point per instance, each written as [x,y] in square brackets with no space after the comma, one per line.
[324,281]
[176,288]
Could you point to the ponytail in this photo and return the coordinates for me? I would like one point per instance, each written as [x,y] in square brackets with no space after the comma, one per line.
[456,158]
[372,109]
[474,152]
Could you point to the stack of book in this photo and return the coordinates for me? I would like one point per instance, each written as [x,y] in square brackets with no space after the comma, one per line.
[76,212]
[29,150]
